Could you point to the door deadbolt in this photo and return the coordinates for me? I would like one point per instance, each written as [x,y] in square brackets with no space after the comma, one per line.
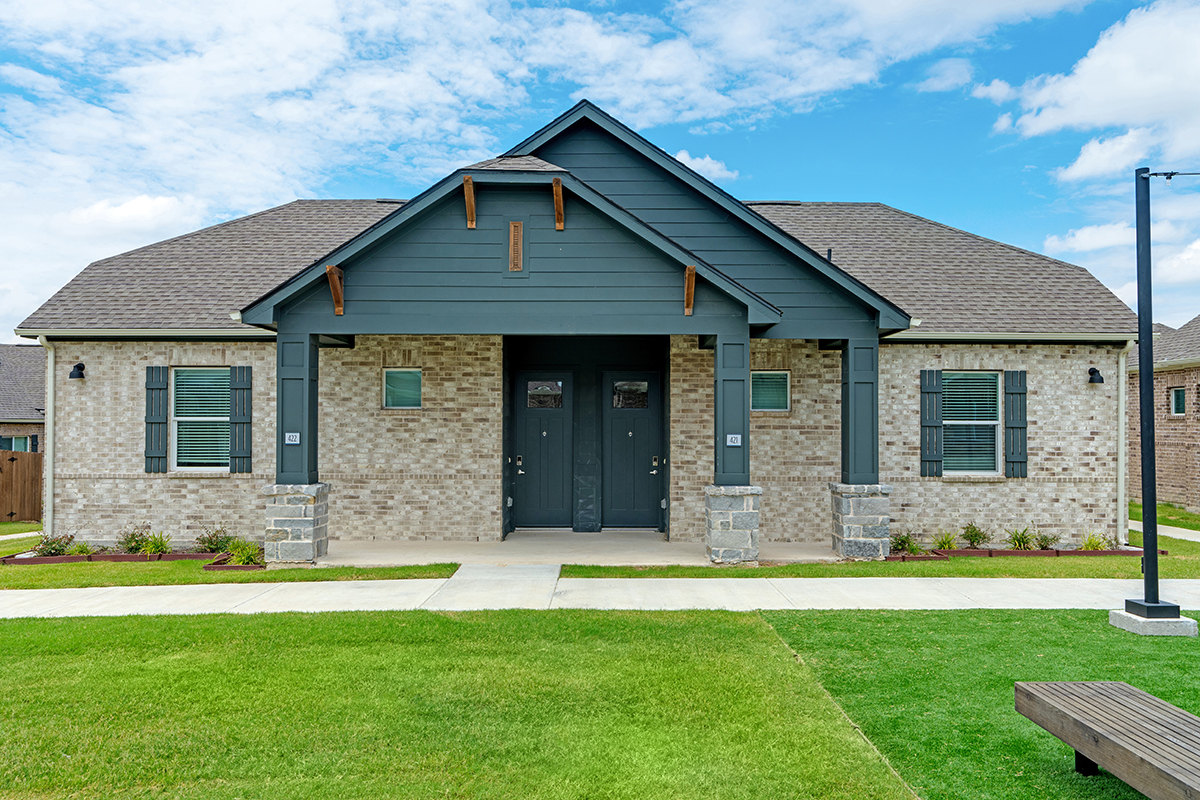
[654,461]
[518,461]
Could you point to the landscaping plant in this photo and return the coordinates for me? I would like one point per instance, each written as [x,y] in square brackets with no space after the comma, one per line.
[1020,539]
[157,544]
[54,545]
[80,549]
[133,538]
[214,540]
[1093,541]
[1046,541]
[975,536]
[243,553]
[905,542]
[945,540]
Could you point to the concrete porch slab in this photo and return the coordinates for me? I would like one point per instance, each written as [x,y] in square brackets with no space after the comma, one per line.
[553,546]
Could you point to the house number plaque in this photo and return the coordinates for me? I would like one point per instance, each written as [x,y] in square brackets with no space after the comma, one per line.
[291,438]
[733,440]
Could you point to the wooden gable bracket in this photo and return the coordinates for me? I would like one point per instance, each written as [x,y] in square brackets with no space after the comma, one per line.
[559,222]
[469,194]
[689,289]
[336,285]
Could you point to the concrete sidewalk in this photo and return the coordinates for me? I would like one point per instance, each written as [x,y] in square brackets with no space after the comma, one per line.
[478,586]
[1169,530]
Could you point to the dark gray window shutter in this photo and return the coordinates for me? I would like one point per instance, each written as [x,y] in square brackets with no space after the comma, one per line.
[931,423]
[156,418]
[33,444]
[1016,461]
[239,419]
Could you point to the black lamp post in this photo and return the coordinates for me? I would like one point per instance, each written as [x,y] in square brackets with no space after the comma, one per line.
[1150,606]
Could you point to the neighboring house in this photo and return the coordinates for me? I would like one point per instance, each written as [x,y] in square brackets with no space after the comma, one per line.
[583,333]
[22,396]
[1176,417]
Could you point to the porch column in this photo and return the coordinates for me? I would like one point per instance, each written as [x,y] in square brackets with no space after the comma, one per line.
[861,505]
[297,511]
[731,505]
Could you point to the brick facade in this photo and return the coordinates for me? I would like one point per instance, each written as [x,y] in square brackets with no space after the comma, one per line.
[1176,439]
[23,429]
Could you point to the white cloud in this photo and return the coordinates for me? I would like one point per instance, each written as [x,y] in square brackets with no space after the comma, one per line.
[1003,123]
[708,166]
[1091,237]
[997,91]
[1105,157]
[947,74]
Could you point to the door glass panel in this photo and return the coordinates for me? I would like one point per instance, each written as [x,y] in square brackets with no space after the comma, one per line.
[544,394]
[631,394]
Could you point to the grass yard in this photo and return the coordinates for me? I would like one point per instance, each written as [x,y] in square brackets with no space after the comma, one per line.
[511,704]
[1168,514]
[7,528]
[161,573]
[933,690]
[1183,562]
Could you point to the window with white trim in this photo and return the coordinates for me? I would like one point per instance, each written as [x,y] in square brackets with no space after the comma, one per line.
[402,388]
[200,418]
[770,390]
[971,423]
[17,444]
[1178,401]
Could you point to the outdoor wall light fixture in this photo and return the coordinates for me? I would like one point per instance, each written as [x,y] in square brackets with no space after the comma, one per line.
[77,372]
[1096,377]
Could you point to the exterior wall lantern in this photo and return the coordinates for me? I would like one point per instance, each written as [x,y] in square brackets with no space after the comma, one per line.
[77,372]
[1096,377]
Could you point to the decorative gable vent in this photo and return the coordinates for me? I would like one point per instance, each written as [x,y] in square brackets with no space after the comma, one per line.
[515,262]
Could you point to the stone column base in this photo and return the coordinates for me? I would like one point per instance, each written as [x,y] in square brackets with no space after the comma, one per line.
[731,523]
[861,519]
[297,522]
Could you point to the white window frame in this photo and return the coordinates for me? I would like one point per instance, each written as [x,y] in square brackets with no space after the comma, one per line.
[1179,391]
[999,423]
[383,389]
[173,428]
[784,410]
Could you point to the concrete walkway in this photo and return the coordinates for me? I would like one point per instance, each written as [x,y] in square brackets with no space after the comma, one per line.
[1168,530]
[480,586]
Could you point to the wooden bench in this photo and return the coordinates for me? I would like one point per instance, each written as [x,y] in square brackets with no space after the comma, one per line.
[1146,742]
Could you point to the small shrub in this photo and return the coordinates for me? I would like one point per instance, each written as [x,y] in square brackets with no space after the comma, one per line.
[975,536]
[1046,541]
[54,545]
[945,540]
[80,549]
[243,553]
[906,542]
[1093,541]
[133,538]
[1020,539]
[214,540]
[157,544]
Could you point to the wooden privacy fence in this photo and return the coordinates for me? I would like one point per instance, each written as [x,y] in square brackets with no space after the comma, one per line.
[20,486]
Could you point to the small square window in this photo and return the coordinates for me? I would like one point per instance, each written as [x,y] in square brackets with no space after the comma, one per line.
[1179,401]
[770,391]
[18,444]
[544,394]
[402,388]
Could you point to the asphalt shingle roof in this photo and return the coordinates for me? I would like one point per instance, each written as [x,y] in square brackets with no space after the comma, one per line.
[1175,345]
[953,281]
[517,163]
[22,381]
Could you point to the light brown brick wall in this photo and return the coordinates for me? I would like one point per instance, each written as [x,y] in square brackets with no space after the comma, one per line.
[1176,440]
[22,429]
[1072,442]
[432,473]
[691,437]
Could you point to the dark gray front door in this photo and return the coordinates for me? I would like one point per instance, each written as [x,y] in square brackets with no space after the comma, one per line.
[633,457]
[542,452]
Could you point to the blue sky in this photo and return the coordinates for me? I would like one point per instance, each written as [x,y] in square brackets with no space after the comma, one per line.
[123,122]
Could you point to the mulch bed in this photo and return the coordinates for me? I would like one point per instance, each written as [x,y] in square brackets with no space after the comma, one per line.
[942,555]
[17,559]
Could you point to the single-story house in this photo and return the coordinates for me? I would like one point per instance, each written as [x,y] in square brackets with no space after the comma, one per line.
[584,333]
[22,397]
[1176,417]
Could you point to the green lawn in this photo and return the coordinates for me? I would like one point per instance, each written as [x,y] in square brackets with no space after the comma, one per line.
[933,690]
[1168,514]
[101,573]
[10,547]
[484,705]
[1183,562]
[7,528]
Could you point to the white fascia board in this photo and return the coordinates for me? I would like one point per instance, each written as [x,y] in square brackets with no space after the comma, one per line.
[39,421]
[1168,366]
[146,333]
[912,335]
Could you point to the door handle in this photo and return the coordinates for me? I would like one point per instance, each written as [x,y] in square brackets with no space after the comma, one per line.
[653,472]
[520,472]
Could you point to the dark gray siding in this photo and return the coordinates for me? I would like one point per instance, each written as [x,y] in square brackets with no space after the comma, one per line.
[434,275]
[813,306]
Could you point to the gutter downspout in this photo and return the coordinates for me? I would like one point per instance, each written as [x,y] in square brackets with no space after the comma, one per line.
[48,452]
[1122,435]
